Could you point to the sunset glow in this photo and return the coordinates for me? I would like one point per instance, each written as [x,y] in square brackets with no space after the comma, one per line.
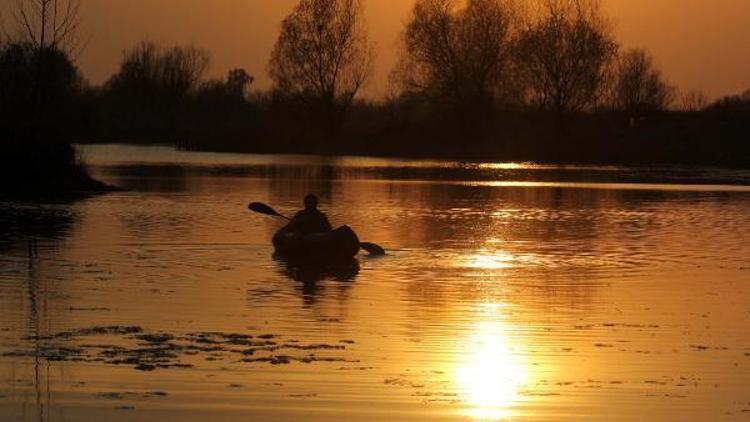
[241,34]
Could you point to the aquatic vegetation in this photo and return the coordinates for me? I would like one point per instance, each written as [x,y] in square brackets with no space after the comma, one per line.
[149,351]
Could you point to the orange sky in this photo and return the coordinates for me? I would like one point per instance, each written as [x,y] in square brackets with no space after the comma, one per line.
[700,44]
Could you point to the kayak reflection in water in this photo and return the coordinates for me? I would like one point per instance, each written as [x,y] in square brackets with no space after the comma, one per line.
[310,220]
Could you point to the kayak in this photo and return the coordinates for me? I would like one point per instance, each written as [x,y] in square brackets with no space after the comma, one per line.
[338,244]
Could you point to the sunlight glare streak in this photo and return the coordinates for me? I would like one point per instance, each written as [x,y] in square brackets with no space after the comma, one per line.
[507,166]
[485,260]
[493,373]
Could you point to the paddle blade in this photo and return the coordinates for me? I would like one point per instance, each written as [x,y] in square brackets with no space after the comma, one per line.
[262,209]
[372,248]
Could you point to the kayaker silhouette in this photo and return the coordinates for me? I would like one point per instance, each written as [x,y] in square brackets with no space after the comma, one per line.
[310,220]
[310,234]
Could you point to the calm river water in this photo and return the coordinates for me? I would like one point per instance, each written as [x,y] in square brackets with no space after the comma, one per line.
[510,292]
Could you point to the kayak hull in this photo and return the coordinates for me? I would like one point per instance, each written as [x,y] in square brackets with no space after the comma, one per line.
[339,244]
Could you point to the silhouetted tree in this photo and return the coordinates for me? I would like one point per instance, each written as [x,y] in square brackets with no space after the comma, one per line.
[693,101]
[36,139]
[45,28]
[323,56]
[153,86]
[18,76]
[182,70]
[38,88]
[140,72]
[735,106]
[49,24]
[639,87]
[220,115]
[457,54]
[564,53]
[237,82]
[151,71]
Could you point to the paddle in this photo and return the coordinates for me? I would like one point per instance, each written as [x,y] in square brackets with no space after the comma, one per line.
[262,208]
[372,248]
[265,209]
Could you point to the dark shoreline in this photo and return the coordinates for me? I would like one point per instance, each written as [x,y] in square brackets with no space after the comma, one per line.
[71,189]
[457,157]
[669,139]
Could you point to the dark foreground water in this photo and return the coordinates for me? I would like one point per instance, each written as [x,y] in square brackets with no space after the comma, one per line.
[510,292]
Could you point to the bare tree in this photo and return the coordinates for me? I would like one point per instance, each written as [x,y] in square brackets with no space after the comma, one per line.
[323,55]
[487,30]
[155,86]
[49,24]
[639,87]
[139,67]
[48,29]
[693,101]
[182,69]
[429,61]
[564,53]
[460,54]
[170,74]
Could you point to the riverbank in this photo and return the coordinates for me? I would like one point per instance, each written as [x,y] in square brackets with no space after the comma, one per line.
[70,188]
[49,173]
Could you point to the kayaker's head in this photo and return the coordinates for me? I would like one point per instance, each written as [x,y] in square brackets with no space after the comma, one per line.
[311,202]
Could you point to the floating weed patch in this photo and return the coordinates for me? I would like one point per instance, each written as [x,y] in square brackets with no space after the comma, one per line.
[355,368]
[149,351]
[129,395]
[304,396]
[89,309]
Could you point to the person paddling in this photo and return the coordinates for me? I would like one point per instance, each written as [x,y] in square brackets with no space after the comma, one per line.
[310,220]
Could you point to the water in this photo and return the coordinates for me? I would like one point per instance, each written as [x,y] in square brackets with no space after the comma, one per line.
[510,292]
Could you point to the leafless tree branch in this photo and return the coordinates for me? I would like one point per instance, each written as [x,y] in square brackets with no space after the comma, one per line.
[49,24]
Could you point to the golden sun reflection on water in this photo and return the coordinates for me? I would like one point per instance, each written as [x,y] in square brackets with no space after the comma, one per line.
[490,260]
[507,166]
[491,376]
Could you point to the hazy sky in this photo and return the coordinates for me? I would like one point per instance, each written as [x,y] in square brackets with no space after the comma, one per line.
[699,44]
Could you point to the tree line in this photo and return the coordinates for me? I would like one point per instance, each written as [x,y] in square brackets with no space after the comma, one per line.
[543,81]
